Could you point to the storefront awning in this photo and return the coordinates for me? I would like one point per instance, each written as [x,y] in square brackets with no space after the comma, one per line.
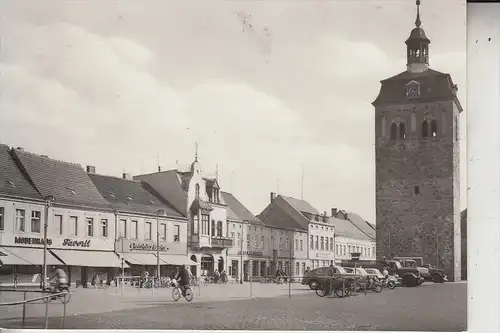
[89,258]
[26,256]
[144,259]
[176,260]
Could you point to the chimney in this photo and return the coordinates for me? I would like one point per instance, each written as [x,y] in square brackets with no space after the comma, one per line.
[90,169]
[273,196]
[334,212]
[325,218]
[127,176]
[159,168]
[20,148]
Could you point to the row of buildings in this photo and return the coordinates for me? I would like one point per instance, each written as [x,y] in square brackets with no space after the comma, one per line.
[97,223]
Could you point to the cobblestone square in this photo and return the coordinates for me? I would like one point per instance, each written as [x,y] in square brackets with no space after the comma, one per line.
[431,307]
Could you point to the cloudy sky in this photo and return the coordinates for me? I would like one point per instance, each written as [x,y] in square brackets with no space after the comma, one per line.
[267,89]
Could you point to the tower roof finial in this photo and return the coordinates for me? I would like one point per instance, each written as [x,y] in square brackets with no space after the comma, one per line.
[418,23]
[196,153]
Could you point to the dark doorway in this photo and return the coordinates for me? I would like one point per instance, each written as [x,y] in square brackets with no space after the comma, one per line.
[193,268]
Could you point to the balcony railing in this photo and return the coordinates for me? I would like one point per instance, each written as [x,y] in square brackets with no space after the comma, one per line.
[218,241]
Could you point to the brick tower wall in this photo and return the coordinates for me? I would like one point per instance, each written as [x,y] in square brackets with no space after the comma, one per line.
[426,224]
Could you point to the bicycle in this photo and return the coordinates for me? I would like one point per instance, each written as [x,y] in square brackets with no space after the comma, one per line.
[64,298]
[177,292]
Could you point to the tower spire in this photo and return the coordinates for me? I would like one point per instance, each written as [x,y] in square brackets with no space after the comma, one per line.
[418,23]
[196,153]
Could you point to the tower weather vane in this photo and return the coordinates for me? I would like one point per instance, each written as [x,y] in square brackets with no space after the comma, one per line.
[418,23]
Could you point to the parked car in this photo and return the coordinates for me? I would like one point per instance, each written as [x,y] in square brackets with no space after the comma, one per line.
[436,275]
[320,276]
[411,275]
[375,272]
[429,272]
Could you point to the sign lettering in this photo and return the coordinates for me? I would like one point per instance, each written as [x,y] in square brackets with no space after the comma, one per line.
[76,243]
[324,254]
[31,240]
[146,247]
[251,253]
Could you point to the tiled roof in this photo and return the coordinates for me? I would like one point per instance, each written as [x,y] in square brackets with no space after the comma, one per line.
[67,182]
[236,210]
[12,180]
[346,228]
[168,186]
[280,214]
[130,196]
[300,205]
[361,224]
[434,85]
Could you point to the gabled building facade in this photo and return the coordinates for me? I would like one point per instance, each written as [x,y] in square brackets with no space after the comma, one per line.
[251,252]
[200,201]
[352,235]
[80,223]
[142,222]
[297,232]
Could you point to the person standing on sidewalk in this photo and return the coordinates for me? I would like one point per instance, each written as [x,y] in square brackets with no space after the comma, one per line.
[331,272]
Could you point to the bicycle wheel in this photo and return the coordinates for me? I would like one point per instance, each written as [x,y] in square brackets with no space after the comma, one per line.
[176,293]
[189,295]
[342,292]
[67,299]
[321,291]
[378,288]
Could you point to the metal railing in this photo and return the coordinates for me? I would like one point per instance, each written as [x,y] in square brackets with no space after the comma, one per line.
[45,298]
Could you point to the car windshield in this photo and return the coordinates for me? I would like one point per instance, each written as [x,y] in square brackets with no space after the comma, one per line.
[341,270]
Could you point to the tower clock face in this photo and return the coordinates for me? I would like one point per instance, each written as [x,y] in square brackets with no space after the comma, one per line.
[412,91]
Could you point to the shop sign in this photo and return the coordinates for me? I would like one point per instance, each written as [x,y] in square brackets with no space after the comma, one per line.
[146,247]
[76,243]
[324,254]
[251,253]
[31,241]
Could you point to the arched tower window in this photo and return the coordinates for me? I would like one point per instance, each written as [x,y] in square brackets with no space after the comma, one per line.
[402,131]
[425,129]
[413,122]
[197,189]
[394,131]
[434,127]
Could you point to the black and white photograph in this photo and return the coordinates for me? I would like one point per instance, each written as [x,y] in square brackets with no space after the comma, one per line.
[234,165]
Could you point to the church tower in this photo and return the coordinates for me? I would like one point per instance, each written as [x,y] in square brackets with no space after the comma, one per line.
[417,161]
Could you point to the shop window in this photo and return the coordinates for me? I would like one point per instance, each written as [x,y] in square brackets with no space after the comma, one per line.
[163,232]
[58,222]
[90,227]
[2,223]
[104,228]
[148,228]
[133,230]
[177,232]
[36,221]
[73,224]
[20,220]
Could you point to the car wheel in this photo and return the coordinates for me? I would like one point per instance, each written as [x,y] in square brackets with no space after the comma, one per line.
[437,278]
[410,280]
[313,284]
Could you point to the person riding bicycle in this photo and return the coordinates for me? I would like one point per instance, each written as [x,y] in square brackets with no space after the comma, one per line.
[183,278]
[61,279]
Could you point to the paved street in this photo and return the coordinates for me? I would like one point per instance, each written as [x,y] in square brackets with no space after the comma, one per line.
[441,307]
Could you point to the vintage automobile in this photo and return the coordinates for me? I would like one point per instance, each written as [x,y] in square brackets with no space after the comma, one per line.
[428,272]
[411,276]
[319,276]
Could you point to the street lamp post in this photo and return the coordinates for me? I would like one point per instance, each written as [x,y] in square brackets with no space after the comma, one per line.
[158,213]
[48,203]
